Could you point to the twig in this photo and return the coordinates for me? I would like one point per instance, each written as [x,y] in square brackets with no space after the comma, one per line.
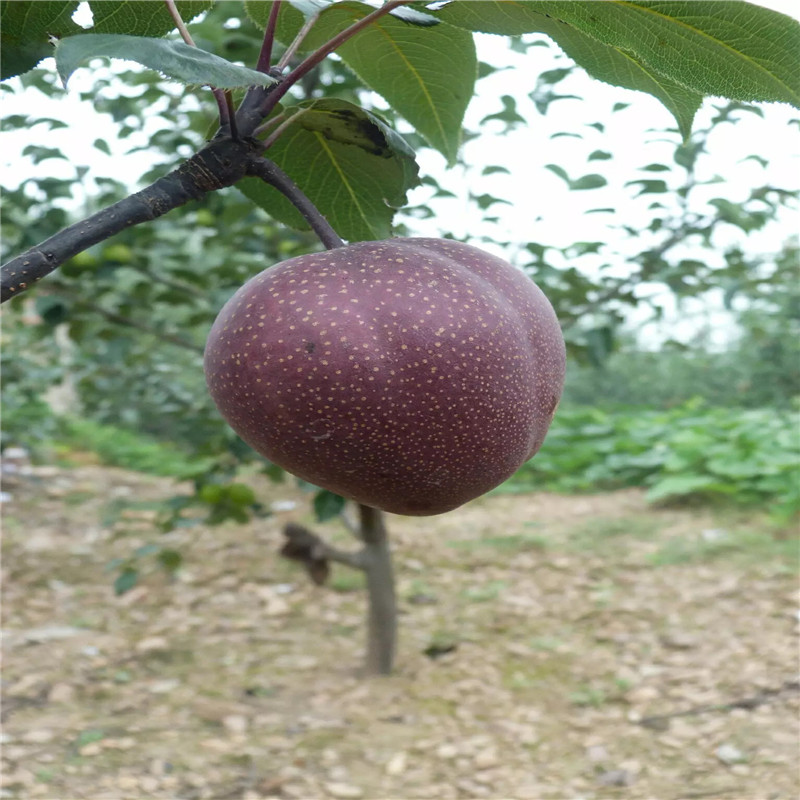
[374,559]
[314,553]
[180,286]
[298,40]
[179,23]
[381,599]
[349,523]
[224,100]
[753,701]
[273,98]
[265,56]
[268,125]
[219,164]
[271,173]
[276,134]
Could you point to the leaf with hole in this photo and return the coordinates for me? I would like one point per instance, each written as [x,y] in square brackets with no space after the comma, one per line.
[352,166]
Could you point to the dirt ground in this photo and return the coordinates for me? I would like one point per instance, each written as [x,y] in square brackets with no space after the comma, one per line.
[551,647]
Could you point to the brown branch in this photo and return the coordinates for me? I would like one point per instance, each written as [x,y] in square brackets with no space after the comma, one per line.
[314,553]
[220,163]
[660,721]
[227,120]
[382,602]
[271,173]
[265,56]
[260,101]
[319,55]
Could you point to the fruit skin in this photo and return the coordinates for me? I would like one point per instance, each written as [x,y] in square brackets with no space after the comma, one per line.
[411,375]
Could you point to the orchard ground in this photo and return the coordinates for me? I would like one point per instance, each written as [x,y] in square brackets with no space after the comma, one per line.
[548,647]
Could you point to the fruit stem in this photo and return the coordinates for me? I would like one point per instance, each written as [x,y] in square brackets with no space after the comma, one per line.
[227,118]
[271,173]
[381,600]
[265,56]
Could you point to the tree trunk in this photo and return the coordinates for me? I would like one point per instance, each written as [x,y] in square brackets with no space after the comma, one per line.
[382,607]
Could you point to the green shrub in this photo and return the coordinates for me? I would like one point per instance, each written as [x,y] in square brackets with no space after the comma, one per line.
[118,447]
[746,456]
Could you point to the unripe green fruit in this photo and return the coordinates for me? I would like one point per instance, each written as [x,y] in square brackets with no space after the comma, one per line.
[411,375]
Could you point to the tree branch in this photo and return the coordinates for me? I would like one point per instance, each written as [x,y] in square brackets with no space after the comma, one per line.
[375,561]
[298,40]
[271,173]
[319,55]
[265,56]
[314,553]
[260,100]
[382,602]
[661,721]
[221,163]
[224,99]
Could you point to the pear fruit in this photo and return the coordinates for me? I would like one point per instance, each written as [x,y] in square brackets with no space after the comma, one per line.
[410,375]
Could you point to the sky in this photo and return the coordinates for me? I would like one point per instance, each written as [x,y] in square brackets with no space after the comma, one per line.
[541,207]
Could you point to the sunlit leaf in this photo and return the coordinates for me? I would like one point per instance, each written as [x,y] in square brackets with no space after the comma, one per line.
[676,51]
[426,74]
[26,30]
[172,58]
[592,181]
[136,18]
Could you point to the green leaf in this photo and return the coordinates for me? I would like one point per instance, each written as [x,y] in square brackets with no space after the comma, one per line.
[170,560]
[509,114]
[427,74]
[293,14]
[102,145]
[240,494]
[494,168]
[485,201]
[676,51]
[592,181]
[174,59]
[25,31]
[53,310]
[725,48]
[677,485]
[290,17]
[126,580]
[88,737]
[38,154]
[649,186]
[353,167]
[327,505]
[142,19]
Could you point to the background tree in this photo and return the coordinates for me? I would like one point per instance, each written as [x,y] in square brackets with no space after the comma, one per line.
[101,293]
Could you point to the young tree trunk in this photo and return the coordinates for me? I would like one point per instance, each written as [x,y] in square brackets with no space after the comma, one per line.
[382,606]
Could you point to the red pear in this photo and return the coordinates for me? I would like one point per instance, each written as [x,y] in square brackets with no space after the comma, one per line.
[411,375]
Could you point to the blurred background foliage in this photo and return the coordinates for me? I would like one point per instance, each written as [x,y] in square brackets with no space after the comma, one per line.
[106,354]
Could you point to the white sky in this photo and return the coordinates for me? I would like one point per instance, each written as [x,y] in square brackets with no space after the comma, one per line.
[542,209]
